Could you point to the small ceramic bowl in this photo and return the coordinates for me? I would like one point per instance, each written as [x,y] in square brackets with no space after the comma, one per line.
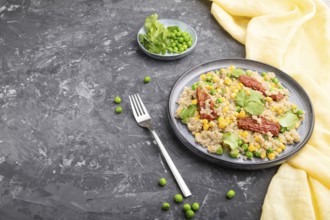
[171,56]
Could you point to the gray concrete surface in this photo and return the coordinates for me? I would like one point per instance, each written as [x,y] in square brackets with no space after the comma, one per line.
[64,153]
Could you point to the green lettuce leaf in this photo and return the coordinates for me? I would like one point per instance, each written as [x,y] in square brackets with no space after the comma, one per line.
[241,98]
[231,140]
[253,104]
[187,113]
[288,120]
[238,72]
[254,108]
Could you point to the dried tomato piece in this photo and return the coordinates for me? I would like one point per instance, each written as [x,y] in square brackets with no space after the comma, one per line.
[202,97]
[277,97]
[252,83]
[263,127]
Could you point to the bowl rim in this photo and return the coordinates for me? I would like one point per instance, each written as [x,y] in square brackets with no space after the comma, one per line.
[168,55]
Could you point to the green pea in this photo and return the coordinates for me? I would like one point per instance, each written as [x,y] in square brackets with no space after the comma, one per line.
[240,142]
[234,153]
[270,150]
[118,109]
[166,206]
[275,80]
[147,79]
[245,147]
[180,39]
[178,34]
[190,214]
[186,207]
[238,109]
[299,112]
[195,206]
[249,155]
[185,47]
[219,151]
[162,181]
[257,154]
[181,49]
[213,91]
[117,99]
[218,100]
[189,43]
[231,194]
[175,49]
[178,198]
[282,130]
[263,74]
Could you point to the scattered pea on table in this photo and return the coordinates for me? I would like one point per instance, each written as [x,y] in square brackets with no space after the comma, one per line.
[166,206]
[147,79]
[118,109]
[178,198]
[117,99]
[231,194]
[186,207]
[162,181]
[195,206]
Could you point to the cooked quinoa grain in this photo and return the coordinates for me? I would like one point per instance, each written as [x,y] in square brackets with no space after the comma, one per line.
[241,113]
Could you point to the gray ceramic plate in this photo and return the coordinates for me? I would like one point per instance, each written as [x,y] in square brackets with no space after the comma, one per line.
[171,56]
[297,96]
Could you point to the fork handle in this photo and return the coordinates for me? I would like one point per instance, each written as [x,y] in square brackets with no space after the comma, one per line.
[183,186]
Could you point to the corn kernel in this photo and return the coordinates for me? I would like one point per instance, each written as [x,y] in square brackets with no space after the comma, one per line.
[209,74]
[208,87]
[227,119]
[222,124]
[252,148]
[245,134]
[206,127]
[204,121]
[294,107]
[222,70]
[225,109]
[279,150]
[273,85]
[202,77]
[227,81]
[282,146]
[279,111]
[233,95]
[265,77]
[236,114]
[235,91]
[194,101]
[210,124]
[232,67]
[257,139]
[263,155]
[268,99]
[271,156]
[240,85]
[258,146]
[248,93]
[241,114]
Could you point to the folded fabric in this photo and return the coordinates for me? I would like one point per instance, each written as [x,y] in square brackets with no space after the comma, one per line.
[293,35]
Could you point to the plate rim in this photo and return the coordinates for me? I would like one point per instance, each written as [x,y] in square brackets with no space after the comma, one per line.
[168,57]
[247,166]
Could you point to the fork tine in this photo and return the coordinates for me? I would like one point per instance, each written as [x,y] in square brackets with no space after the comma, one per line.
[133,107]
[136,107]
[142,105]
[138,104]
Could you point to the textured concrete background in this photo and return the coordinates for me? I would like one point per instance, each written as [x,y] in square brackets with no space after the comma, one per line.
[64,153]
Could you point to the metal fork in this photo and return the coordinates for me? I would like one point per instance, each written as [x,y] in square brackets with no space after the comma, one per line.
[144,120]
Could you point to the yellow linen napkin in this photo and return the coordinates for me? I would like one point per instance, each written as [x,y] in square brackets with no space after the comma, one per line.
[293,35]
